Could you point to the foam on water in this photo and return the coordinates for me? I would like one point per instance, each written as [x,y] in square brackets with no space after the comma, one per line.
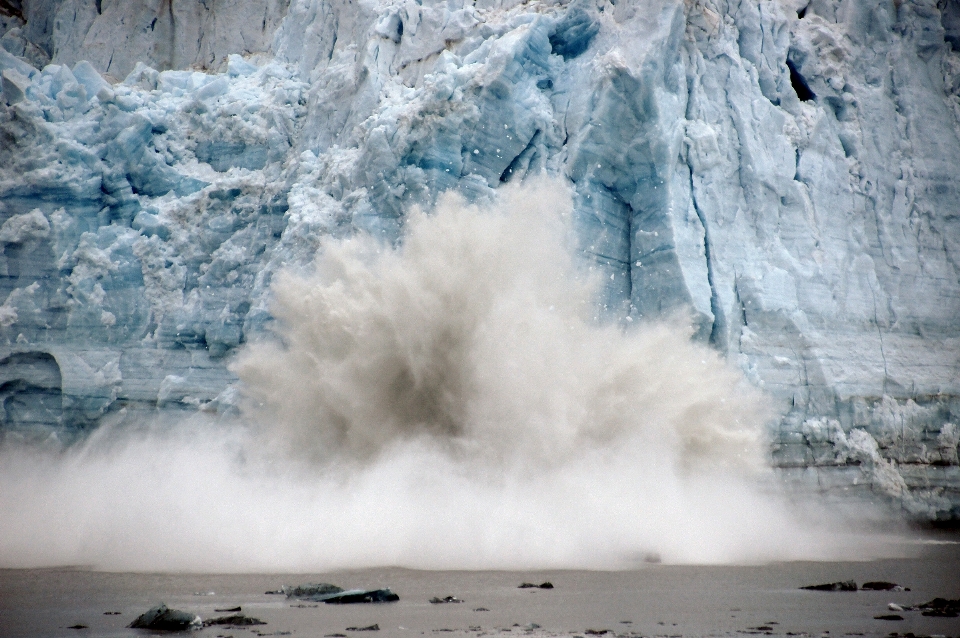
[452,403]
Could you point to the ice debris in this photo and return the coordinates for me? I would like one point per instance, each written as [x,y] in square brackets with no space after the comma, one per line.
[162,618]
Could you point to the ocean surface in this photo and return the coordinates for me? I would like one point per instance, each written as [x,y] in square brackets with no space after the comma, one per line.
[655,600]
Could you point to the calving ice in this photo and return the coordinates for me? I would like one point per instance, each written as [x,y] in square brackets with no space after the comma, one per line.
[456,402]
[236,238]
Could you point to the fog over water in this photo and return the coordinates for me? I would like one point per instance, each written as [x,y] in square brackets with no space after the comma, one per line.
[453,403]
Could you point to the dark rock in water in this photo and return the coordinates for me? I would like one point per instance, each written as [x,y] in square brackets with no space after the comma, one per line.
[78,626]
[546,585]
[940,607]
[162,618]
[888,617]
[445,599]
[334,635]
[111,613]
[275,592]
[881,585]
[231,609]
[237,620]
[846,585]
[596,632]
[368,628]
[940,613]
[352,596]
[310,590]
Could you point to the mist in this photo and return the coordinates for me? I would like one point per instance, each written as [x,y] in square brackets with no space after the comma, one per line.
[451,403]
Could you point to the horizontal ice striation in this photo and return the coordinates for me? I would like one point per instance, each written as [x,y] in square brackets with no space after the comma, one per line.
[115,34]
[783,172]
[130,267]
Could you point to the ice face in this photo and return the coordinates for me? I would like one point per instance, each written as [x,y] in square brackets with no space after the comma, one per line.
[782,175]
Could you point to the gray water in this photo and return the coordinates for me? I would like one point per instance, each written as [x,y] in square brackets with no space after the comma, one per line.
[657,600]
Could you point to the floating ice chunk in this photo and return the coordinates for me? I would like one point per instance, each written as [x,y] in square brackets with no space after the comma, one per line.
[162,618]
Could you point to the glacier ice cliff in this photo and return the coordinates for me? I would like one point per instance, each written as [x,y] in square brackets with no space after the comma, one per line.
[787,172]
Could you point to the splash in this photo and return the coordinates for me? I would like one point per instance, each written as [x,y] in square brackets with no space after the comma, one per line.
[450,404]
[479,334]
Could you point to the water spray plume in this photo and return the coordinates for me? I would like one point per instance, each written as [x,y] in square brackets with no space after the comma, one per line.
[451,403]
[479,333]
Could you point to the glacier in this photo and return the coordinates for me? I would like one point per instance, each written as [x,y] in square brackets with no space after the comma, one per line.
[782,173]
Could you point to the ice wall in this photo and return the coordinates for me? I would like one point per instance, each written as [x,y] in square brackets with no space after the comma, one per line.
[783,172]
[116,34]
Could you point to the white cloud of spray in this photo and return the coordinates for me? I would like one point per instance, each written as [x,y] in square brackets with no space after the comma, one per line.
[449,404]
[479,333]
